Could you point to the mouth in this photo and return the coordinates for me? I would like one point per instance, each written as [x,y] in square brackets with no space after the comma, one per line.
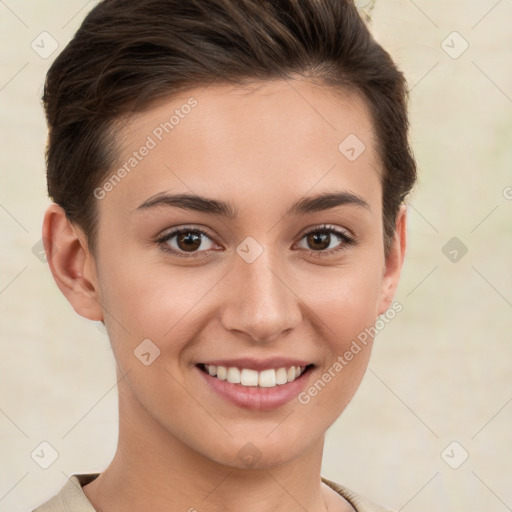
[247,377]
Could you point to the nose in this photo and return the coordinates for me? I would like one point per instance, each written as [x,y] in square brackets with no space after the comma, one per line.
[261,302]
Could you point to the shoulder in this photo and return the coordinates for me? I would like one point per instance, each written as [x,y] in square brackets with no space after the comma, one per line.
[359,502]
[71,497]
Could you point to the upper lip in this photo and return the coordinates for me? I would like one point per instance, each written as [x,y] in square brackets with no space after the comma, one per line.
[258,365]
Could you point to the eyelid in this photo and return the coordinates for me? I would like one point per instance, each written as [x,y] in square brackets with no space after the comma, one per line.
[328,227]
[185,227]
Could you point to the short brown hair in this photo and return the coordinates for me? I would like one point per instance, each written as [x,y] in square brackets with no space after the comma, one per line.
[127,54]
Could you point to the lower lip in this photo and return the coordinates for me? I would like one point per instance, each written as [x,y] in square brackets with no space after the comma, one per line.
[256,398]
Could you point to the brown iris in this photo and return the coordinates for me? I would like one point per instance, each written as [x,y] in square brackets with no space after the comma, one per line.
[321,240]
[189,241]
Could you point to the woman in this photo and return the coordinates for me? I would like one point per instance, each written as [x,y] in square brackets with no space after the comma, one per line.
[228,181]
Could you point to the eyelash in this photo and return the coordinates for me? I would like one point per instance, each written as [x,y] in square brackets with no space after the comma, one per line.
[347,241]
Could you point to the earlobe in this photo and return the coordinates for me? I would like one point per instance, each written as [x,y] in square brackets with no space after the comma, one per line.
[394,261]
[71,263]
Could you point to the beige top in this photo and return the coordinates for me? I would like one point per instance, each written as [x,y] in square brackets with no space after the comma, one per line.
[71,497]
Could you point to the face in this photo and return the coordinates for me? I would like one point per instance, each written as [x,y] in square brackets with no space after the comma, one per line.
[273,260]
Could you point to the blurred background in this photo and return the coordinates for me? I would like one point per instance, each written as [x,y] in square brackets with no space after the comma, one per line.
[430,427]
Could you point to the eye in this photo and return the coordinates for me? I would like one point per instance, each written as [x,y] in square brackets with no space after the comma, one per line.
[189,242]
[186,242]
[326,240]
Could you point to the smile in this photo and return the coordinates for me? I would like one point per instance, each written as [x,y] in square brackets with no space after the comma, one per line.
[255,384]
[268,378]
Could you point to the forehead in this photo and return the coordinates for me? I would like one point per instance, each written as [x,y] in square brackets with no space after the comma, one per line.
[264,139]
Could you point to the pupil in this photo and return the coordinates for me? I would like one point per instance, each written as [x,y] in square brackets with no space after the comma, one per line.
[322,239]
[190,241]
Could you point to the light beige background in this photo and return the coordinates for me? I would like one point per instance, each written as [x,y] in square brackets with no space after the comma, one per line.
[440,372]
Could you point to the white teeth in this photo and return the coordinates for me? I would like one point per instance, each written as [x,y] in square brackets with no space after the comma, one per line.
[248,377]
[267,379]
[233,375]
[281,377]
[264,379]
[222,373]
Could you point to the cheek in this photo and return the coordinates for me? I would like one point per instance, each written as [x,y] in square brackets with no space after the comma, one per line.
[149,302]
[346,309]
[346,301]
[347,313]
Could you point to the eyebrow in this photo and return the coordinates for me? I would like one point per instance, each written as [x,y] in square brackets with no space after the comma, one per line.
[317,203]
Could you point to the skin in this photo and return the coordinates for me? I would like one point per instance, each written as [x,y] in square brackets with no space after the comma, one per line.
[260,149]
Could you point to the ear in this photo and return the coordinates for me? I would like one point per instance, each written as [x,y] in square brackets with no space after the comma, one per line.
[71,263]
[394,261]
